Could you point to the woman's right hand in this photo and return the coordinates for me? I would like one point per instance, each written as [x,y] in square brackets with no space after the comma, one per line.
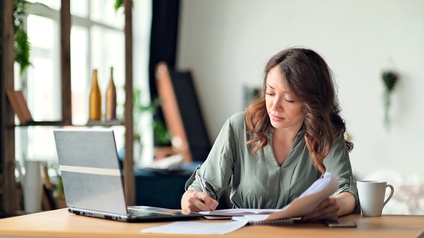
[195,201]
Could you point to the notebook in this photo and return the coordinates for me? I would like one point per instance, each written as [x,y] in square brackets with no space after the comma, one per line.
[93,181]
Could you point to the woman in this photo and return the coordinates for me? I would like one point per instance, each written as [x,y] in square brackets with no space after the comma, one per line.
[281,144]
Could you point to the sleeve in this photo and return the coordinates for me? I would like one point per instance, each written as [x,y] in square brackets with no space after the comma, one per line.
[217,169]
[338,164]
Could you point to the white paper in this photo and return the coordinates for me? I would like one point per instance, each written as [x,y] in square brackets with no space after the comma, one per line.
[170,163]
[304,204]
[250,218]
[308,200]
[197,228]
[239,212]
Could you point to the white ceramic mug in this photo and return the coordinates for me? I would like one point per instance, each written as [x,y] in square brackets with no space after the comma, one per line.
[372,196]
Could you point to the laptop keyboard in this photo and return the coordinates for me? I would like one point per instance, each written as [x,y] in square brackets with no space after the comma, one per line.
[144,213]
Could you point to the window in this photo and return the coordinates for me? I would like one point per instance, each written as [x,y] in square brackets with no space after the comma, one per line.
[97,42]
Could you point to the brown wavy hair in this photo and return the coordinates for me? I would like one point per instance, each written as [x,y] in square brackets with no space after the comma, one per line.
[310,80]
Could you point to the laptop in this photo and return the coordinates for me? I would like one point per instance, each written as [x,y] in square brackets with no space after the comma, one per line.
[93,182]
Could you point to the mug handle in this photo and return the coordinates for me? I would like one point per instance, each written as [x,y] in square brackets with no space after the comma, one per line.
[392,191]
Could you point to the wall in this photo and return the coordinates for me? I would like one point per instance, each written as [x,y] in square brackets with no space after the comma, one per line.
[226,44]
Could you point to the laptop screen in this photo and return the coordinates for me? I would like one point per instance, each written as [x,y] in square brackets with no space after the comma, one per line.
[88,161]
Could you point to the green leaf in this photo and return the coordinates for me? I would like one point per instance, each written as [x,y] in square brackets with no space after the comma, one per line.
[161,132]
[118,4]
[141,108]
[22,49]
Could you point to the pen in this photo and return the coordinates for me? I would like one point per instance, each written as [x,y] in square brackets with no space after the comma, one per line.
[201,181]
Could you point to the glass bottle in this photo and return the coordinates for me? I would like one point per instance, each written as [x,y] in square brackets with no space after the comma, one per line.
[111,99]
[95,111]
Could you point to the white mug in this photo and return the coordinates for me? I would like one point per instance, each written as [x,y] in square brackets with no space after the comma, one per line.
[372,196]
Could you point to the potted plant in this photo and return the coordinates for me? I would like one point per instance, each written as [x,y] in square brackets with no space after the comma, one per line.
[22,45]
[161,133]
[390,78]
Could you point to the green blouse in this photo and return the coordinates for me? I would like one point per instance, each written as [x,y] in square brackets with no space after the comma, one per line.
[256,180]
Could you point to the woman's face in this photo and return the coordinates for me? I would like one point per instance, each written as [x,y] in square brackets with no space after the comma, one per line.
[283,110]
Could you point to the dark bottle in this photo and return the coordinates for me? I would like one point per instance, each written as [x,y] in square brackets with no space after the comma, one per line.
[111,99]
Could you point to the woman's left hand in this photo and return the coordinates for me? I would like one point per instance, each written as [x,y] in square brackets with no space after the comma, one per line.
[327,209]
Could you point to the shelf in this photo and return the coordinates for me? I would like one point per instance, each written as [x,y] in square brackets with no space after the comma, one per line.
[61,123]
[104,123]
[7,128]
[42,123]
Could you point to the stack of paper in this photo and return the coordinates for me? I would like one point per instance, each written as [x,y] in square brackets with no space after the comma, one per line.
[304,204]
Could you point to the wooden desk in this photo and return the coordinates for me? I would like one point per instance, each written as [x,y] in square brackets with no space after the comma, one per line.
[59,223]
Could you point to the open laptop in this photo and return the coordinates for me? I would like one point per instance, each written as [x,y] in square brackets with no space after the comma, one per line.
[92,179]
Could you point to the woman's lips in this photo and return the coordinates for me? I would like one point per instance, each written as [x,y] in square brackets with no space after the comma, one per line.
[276,118]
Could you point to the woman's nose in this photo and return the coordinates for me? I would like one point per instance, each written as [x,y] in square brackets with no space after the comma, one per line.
[275,106]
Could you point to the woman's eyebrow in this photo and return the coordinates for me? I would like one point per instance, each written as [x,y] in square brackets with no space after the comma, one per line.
[286,92]
[270,86]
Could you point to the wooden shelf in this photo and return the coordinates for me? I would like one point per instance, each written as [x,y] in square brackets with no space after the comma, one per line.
[42,123]
[61,123]
[104,123]
[7,122]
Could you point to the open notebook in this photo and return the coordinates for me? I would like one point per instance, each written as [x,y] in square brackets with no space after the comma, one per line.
[92,178]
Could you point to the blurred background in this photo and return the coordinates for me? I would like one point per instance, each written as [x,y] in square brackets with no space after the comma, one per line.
[225,45]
